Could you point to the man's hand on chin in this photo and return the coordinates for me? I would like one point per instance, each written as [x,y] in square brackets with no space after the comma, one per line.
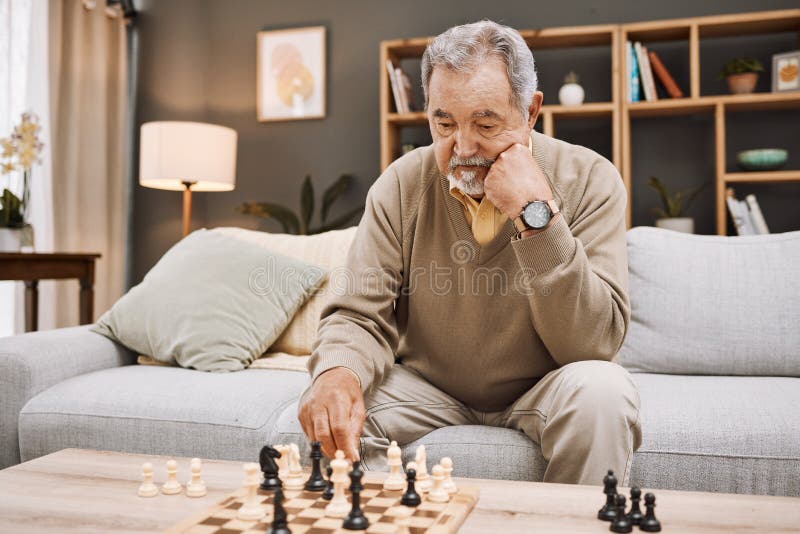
[333,412]
[515,179]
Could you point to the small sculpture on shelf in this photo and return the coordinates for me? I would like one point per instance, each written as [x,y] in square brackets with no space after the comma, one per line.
[571,93]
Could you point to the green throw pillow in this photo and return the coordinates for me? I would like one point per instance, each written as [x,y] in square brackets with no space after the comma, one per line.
[212,303]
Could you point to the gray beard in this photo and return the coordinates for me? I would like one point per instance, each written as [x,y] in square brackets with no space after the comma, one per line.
[469,184]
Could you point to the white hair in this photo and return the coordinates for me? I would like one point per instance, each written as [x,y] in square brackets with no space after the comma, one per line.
[463,48]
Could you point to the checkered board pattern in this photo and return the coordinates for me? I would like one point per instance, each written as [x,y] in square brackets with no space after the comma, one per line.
[306,514]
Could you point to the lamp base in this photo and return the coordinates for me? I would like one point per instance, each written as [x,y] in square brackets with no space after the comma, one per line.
[187,206]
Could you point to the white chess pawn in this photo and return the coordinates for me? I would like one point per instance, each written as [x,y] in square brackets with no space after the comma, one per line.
[339,507]
[396,480]
[171,486]
[251,510]
[437,492]
[423,484]
[196,487]
[283,461]
[294,480]
[147,489]
[447,466]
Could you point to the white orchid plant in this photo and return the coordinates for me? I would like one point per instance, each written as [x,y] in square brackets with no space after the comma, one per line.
[18,152]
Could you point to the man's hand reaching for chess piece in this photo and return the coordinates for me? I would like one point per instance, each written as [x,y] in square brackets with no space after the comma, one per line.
[333,412]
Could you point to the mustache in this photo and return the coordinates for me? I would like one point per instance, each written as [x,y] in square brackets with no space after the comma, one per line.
[473,161]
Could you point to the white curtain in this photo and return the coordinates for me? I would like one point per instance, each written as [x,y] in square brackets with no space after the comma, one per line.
[24,86]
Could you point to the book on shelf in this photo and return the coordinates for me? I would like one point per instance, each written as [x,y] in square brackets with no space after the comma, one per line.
[664,76]
[406,91]
[756,215]
[393,81]
[645,73]
[634,92]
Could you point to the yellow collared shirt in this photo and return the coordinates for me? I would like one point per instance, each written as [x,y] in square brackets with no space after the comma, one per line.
[486,220]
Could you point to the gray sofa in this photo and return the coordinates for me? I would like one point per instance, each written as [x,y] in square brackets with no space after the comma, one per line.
[714,346]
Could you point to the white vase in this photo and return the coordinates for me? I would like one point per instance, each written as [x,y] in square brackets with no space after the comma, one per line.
[10,239]
[571,94]
[677,224]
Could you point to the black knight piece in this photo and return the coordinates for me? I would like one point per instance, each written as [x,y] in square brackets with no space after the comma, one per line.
[635,515]
[649,522]
[621,523]
[356,520]
[316,482]
[411,497]
[609,511]
[280,524]
[269,468]
[328,493]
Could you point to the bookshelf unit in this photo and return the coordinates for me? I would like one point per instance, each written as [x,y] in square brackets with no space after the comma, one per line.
[694,30]
[619,110]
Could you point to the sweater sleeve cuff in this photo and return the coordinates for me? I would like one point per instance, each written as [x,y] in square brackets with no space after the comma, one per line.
[546,250]
[349,361]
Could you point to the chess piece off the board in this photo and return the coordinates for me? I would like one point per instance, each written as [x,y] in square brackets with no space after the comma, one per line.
[609,510]
[621,522]
[147,489]
[172,486]
[649,522]
[196,487]
[251,510]
[395,481]
[635,515]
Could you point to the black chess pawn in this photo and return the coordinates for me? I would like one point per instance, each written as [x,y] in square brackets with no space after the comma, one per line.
[411,497]
[621,522]
[635,515]
[280,525]
[316,482]
[328,493]
[269,468]
[649,522]
[609,510]
[356,520]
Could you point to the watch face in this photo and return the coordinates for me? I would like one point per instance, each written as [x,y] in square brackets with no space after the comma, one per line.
[536,214]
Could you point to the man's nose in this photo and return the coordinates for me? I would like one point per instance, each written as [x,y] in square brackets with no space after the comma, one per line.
[466,145]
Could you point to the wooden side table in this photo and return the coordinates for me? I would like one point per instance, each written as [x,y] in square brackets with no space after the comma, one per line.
[35,266]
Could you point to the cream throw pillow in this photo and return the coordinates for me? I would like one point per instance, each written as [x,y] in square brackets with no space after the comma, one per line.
[327,250]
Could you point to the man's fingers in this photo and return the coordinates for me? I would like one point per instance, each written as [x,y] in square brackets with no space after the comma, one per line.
[340,428]
[356,423]
[322,433]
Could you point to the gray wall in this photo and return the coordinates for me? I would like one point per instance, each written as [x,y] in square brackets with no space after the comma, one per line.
[198,61]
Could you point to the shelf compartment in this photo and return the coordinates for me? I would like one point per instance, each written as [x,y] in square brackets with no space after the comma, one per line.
[671,107]
[787,20]
[589,109]
[685,106]
[762,177]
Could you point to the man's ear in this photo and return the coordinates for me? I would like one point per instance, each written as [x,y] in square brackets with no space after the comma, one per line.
[535,108]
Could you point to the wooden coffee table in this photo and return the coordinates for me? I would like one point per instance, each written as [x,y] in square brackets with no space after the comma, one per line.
[88,491]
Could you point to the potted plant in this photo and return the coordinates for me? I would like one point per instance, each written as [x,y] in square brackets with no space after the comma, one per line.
[571,93]
[672,216]
[18,152]
[291,223]
[741,74]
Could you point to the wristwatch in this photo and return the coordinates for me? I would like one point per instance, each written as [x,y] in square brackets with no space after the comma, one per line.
[535,215]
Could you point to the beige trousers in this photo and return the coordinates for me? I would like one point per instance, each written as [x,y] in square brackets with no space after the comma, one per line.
[584,416]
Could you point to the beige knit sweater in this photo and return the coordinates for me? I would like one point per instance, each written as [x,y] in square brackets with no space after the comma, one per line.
[481,323]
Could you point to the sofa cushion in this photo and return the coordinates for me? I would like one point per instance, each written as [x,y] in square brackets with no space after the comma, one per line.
[211,303]
[713,305]
[160,410]
[327,250]
[730,434]
[476,451]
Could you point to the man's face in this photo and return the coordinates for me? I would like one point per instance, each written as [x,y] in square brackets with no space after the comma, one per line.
[473,119]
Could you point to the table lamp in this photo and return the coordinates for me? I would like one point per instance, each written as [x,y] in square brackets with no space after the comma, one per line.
[187,156]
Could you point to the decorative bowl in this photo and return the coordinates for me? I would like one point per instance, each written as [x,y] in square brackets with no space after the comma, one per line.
[762,159]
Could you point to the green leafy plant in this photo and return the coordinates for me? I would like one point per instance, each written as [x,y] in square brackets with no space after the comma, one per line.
[572,77]
[740,65]
[675,205]
[292,224]
[11,215]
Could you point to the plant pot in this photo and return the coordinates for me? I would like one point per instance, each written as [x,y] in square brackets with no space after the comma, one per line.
[742,84]
[677,224]
[10,239]
[571,94]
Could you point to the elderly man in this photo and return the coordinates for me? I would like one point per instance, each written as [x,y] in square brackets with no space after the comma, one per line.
[492,276]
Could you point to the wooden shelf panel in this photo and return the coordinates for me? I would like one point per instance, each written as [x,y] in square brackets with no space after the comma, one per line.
[762,177]
[759,22]
[589,109]
[415,118]
[569,36]
[657,31]
[706,104]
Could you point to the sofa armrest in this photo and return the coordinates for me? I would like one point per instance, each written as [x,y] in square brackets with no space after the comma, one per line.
[31,363]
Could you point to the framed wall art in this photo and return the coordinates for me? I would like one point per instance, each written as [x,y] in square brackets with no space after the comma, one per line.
[291,74]
[786,71]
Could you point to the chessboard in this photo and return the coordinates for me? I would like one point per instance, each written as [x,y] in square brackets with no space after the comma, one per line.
[306,513]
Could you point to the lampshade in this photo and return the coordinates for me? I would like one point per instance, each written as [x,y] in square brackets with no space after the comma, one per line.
[172,152]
